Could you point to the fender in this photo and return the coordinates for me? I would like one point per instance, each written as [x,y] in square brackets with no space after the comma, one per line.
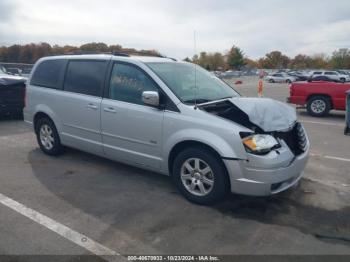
[210,139]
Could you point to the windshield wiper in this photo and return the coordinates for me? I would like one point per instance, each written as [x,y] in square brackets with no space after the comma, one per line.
[225,98]
[203,100]
[198,101]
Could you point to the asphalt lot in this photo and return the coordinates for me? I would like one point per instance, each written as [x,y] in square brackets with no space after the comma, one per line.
[130,211]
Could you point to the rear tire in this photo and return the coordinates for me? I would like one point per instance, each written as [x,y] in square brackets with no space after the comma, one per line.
[318,106]
[288,81]
[271,81]
[47,137]
[200,176]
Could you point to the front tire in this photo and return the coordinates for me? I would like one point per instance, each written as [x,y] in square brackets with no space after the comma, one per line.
[342,80]
[200,176]
[47,137]
[271,81]
[318,106]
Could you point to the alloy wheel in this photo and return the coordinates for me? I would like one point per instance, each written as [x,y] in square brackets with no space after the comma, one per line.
[197,177]
[46,137]
[318,106]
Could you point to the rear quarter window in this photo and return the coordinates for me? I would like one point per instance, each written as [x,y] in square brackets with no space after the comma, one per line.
[49,74]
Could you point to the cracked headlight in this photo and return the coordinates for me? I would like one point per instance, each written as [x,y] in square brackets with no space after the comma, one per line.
[260,144]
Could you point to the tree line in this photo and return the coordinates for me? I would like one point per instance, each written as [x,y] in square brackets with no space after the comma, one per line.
[30,53]
[233,59]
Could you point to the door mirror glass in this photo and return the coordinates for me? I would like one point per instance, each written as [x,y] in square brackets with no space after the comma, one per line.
[150,98]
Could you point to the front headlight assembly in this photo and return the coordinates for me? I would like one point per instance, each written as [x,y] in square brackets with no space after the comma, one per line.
[260,144]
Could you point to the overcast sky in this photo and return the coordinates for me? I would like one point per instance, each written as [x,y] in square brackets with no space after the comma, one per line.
[257,26]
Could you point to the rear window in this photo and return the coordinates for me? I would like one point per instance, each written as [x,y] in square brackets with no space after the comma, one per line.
[49,74]
[85,77]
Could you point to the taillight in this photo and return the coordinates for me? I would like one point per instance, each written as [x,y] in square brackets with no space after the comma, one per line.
[291,90]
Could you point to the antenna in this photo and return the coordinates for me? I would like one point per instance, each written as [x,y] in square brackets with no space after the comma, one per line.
[195,69]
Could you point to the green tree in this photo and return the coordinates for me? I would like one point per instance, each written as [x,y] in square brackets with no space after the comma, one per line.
[94,47]
[319,61]
[235,58]
[341,59]
[216,61]
[250,63]
[274,60]
[300,62]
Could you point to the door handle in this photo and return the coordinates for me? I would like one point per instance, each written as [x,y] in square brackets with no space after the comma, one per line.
[92,106]
[110,110]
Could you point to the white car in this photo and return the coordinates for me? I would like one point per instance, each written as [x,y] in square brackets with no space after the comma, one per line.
[332,75]
[280,78]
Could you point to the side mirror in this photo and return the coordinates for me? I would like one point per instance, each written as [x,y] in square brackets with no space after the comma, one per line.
[150,98]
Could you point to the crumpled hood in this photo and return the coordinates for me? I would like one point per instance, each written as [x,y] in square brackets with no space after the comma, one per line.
[270,115]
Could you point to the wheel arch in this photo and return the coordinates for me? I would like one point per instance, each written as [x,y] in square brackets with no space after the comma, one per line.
[45,112]
[188,144]
[39,115]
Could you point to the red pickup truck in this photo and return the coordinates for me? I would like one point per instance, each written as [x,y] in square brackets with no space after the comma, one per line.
[319,96]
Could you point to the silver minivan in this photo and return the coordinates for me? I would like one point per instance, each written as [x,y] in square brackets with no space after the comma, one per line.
[170,117]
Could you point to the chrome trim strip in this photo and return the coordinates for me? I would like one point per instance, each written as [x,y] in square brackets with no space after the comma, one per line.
[83,128]
[130,140]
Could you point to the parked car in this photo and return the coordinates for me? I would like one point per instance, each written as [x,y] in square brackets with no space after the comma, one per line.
[344,72]
[324,78]
[331,74]
[12,90]
[299,76]
[280,78]
[26,72]
[155,114]
[14,71]
[319,97]
[231,73]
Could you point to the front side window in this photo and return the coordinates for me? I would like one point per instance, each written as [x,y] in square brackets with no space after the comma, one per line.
[128,83]
[85,77]
[330,73]
[49,74]
[320,78]
[192,83]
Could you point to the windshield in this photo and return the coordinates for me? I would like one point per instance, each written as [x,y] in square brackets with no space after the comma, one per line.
[180,78]
[2,70]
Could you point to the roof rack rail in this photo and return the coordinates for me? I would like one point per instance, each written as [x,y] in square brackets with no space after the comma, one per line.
[80,52]
[164,56]
[120,54]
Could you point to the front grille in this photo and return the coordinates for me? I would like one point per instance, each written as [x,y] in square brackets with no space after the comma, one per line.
[295,139]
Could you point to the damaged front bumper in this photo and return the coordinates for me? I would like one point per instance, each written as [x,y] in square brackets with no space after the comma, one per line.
[268,174]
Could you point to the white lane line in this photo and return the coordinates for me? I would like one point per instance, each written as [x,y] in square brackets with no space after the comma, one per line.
[330,157]
[322,123]
[337,158]
[62,230]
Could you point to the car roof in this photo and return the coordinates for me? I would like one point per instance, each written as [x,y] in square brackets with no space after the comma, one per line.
[144,59]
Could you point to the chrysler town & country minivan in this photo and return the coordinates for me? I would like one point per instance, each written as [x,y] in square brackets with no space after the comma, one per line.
[170,117]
